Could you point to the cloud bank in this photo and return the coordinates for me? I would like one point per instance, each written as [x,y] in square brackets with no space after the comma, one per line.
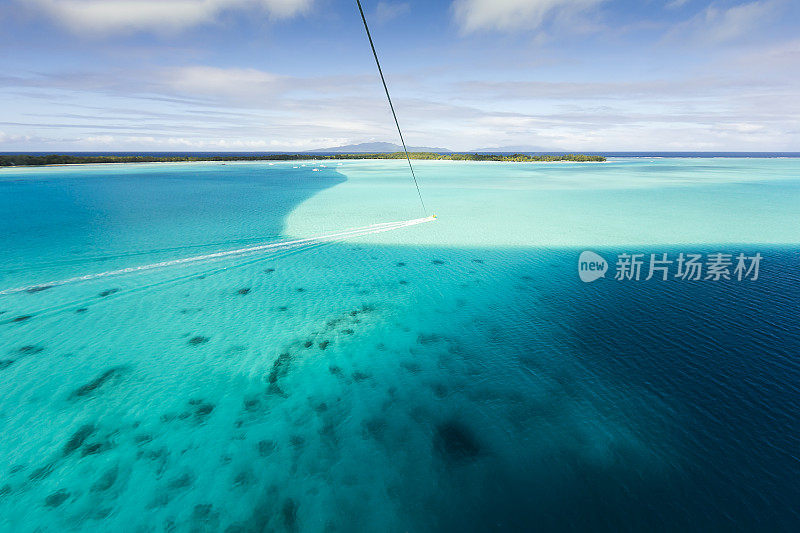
[106,16]
[714,74]
[718,25]
[503,15]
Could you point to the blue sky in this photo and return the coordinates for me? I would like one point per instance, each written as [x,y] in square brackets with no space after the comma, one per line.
[255,75]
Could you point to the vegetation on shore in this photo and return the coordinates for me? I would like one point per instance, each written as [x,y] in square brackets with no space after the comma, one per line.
[66,159]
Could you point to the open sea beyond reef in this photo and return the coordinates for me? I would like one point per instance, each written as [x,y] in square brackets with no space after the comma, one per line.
[454,375]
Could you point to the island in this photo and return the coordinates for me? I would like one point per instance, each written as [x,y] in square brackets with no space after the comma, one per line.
[15,160]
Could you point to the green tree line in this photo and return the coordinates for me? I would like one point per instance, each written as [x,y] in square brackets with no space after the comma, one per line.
[66,159]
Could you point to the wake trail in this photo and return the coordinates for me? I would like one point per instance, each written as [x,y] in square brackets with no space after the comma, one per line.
[267,247]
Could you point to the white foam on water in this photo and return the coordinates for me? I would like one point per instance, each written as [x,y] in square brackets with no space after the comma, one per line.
[278,246]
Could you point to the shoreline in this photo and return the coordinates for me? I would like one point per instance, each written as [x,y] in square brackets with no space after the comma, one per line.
[312,159]
[22,160]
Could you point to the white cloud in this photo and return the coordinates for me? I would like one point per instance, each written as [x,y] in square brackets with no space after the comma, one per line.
[387,11]
[5,138]
[104,16]
[225,83]
[746,100]
[674,4]
[226,87]
[745,127]
[146,142]
[474,15]
[716,25]
[778,60]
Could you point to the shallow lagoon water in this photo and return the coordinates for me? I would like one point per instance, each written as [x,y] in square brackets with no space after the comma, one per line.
[450,376]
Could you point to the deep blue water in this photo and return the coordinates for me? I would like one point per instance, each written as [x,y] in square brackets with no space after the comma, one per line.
[716,365]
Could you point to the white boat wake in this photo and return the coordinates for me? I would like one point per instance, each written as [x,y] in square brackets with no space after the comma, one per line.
[268,247]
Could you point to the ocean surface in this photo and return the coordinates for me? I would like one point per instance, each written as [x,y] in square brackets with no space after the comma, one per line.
[452,375]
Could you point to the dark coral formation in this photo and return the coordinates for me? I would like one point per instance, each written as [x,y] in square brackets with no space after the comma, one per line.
[42,472]
[374,428]
[95,448]
[108,292]
[77,439]
[30,349]
[455,442]
[143,439]
[411,366]
[202,410]
[280,367]
[181,482]
[360,376]
[432,338]
[440,390]
[98,382]
[252,405]
[243,479]
[289,514]
[266,447]
[57,498]
[38,288]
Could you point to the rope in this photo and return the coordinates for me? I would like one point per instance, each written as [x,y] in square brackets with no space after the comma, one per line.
[391,106]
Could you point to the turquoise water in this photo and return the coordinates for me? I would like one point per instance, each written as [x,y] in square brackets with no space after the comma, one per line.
[455,375]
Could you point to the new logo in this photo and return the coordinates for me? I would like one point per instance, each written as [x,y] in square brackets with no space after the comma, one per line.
[591,266]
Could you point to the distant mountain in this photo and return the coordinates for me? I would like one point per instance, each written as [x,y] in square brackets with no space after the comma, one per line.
[379,148]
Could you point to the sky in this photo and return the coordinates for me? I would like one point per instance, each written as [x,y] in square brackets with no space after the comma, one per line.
[292,75]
